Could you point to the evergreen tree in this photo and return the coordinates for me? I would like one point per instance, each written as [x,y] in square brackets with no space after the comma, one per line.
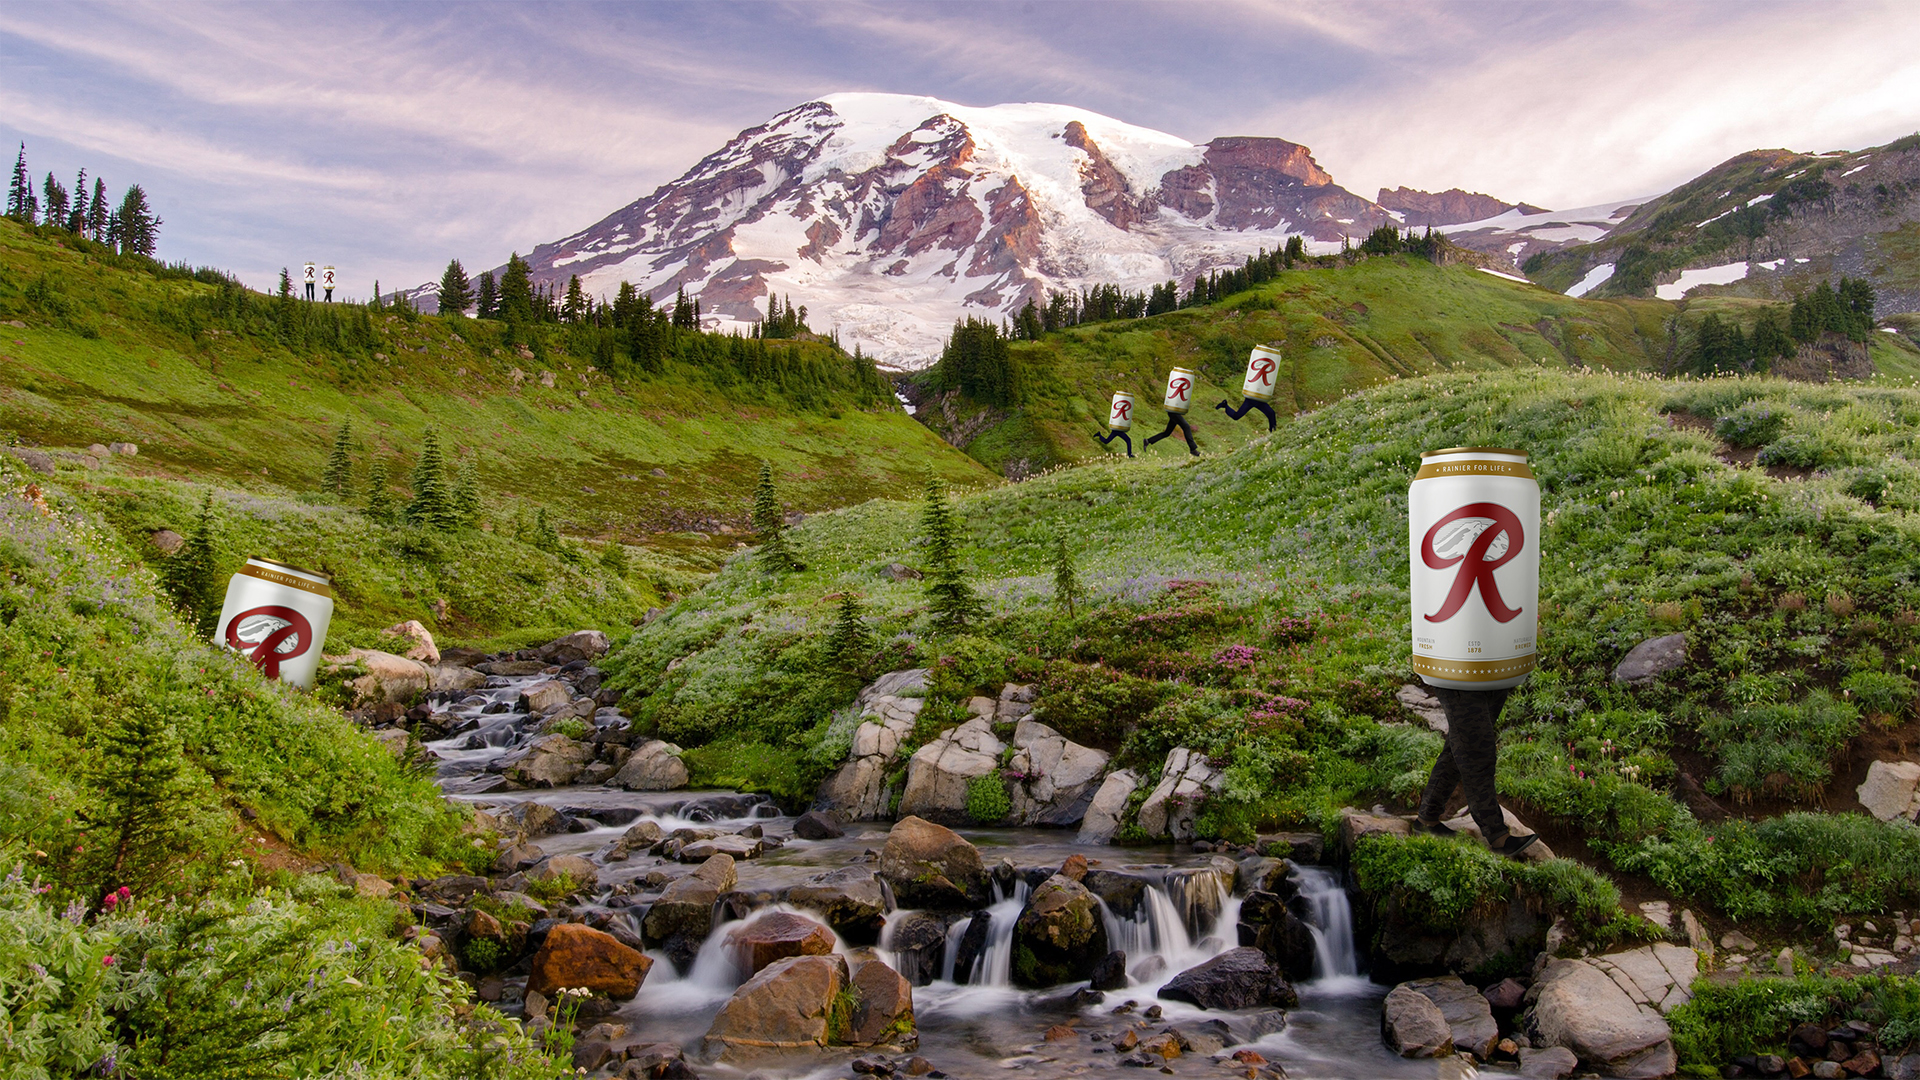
[432,506]
[137,815]
[285,291]
[545,536]
[466,495]
[136,229]
[99,221]
[56,205]
[380,504]
[20,190]
[77,215]
[850,646]
[516,291]
[575,308]
[487,298]
[337,478]
[192,575]
[951,600]
[456,292]
[1066,583]
[770,524]
[614,558]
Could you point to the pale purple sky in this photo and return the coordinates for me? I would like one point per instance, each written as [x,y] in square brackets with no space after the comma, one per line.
[387,138]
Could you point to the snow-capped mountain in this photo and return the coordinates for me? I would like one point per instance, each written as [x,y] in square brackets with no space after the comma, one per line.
[889,216]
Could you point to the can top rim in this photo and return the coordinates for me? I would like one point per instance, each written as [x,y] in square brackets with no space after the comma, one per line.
[290,566]
[1475,450]
[1268,348]
[1123,393]
[1189,371]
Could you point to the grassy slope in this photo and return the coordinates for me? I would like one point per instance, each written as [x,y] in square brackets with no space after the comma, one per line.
[1342,329]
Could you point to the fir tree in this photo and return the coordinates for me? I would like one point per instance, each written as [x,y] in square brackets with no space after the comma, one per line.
[575,308]
[850,646]
[337,478]
[545,536]
[99,221]
[192,575]
[1066,583]
[136,229]
[456,292]
[466,495]
[432,506]
[56,205]
[770,524]
[516,291]
[380,505]
[614,558]
[20,190]
[137,813]
[950,599]
[285,291]
[77,215]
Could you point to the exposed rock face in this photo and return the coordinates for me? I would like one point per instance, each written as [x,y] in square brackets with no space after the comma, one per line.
[883,1008]
[918,942]
[1889,790]
[423,649]
[1104,186]
[543,698]
[1186,780]
[1468,1016]
[930,866]
[1659,976]
[938,774]
[1577,1006]
[1105,809]
[654,765]
[1058,776]
[851,899]
[787,1006]
[576,956]
[776,936]
[857,791]
[814,825]
[1413,1025]
[1236,979]
[1651,659]
[550,761]
[579,645]
[1450,207]
[1060,936]
[1404,944]
[1267,925]
[388,677]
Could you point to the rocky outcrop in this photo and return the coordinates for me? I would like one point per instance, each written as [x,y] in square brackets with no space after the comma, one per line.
[857,792]
[1468,1016]
[1413,1025]
[1405,943]
[882,1009]
[1451,207]
[423,649]
[1107,807]
[1578,1006]
[1053,778]
[938,774]
[1060,936]
[788,1005]
[931,866]
[578,957]
[776,936]
[1186,781]
[1659,976]
[1651,659]
[654,765]
[386,677]
[851,899]
[1102,185]
[1239,978]
[579,645]
[816,825]
[546,697]
[683,916]
[550,761]
[1889,791]
[1266,924]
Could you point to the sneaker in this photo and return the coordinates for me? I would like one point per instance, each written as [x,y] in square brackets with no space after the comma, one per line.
[1435,829]
[1513,845]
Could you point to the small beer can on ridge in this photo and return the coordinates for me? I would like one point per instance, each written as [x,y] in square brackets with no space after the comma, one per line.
[1179,390]
[277,616]
[1262,365]
[1473,535]
[1120,413]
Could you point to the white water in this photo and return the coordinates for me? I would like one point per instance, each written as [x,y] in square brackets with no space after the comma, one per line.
[1336,964]
[995,962]
[1158,931]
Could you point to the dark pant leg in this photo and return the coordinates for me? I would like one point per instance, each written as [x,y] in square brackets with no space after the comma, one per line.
[1121,435]
[1186,432]
[1252,404]
[1173,421]
[1441,783]
[1267,411]
[1473,751]
[1237,413]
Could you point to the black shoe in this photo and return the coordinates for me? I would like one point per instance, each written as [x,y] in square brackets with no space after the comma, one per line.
[1223,405]
[1513,845]
[1435,829]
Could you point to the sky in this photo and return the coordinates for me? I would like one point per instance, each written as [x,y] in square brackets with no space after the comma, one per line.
[386,139]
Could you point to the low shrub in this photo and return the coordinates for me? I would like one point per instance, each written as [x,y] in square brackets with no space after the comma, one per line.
[987,800]
[1755,1016]
[1755,423]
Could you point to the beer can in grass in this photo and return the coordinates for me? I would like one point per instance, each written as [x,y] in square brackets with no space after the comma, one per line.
[277,615]
[1120,413]
[1263,365]
[1473,535]
[1179,390]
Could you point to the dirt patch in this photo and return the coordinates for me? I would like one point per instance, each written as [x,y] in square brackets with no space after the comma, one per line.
[1736,456]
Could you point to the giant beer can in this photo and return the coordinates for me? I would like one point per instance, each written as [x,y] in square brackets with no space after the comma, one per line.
[1120,413]
[1179,390]
[277,615]
[1262,365]
[1473,533]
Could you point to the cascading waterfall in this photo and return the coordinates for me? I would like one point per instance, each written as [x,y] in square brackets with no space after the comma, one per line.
[994,965]
[1330,917]
[1155,937]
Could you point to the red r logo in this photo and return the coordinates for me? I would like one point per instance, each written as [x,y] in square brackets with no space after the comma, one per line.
[1177,388]
[1261,369]
[1121,409]
[1475,566]
[266,629]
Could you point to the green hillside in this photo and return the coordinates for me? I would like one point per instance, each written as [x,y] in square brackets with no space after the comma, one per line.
[1343,329]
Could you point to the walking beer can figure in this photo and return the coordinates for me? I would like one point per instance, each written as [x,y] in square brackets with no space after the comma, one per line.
[1179,390]
[1473,532]
[1262,363]
[1120,413]
[277,616]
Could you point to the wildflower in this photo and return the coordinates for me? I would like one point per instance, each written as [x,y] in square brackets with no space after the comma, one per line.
[106,961]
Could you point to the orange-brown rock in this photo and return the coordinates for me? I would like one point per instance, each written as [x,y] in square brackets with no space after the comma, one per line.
[1075,868]
[883,1008]
[575,956]
[776,936]
[787,1006]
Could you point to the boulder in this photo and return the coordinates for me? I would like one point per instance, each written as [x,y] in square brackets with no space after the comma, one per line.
[167,541]
[857,792]
[1356,825]
[1888,792]
[395,740]
[37,460]
[1110,973]
[939,772]
[579,645]
[1659,976]
[513,667]
[581,870]
[1054,778]
[654,765]
[550,761]
[931,866]
[1468,1016]
[1186,780]
[683,916]
[1538,851]
[918,942]
[1239,978]
[851,899]
[718,870]
[1267,924]
[883,1008]
[789,1005]
[1199,892]
[1548,1063]
[1120,891]
[388,677]
[124,449]
[452,678]
[775,936]
[544,697]
[1109,803]
[533,819]
[1060,936]
[423,648]
[732,845]
[1577,1006]
[1651,659]
[1421,703]
[575,956]
[1406,943]
[814,825]
[1413,1025]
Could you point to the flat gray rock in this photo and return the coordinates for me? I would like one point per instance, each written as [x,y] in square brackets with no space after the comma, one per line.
[1652,658]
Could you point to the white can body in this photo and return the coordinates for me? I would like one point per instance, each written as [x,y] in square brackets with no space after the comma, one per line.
[1120,413]
[1180,383]
[277,616]
[307,273]
[326,278]
[1473,536]
[1263,365]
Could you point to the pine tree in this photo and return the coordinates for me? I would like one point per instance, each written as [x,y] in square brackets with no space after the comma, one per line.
[285,292]
[137,815]
[20,190]
[192,575]
[545,536]
[1066,583]
[136,229]
[99,221]
[576,305]
[950,599]
[56,207]
[432,506]
[466,495]
[77,216]
[380,506]
[850,646]
[770,524]
[456,292]
[516,291]
[337,478]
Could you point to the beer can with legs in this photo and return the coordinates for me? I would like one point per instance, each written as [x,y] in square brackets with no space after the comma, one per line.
[1120,413]
[276,615]
[1473,535]
[1179,390]
[1263,364]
